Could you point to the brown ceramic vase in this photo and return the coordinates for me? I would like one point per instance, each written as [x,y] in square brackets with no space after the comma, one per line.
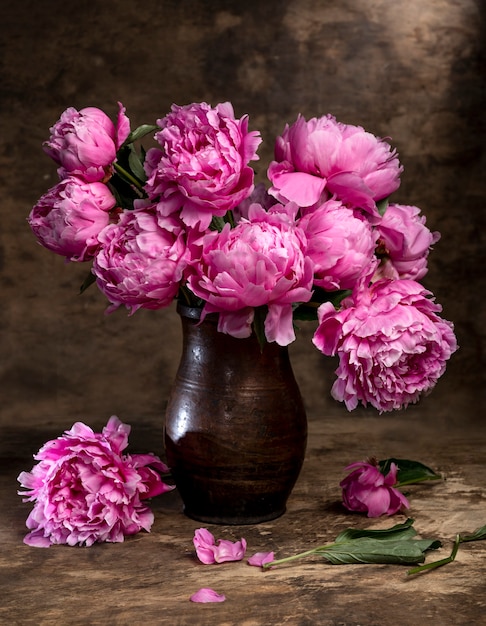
[236,428]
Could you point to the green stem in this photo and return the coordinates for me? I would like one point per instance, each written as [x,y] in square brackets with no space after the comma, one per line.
[298,556]
[128,176]
[440,563]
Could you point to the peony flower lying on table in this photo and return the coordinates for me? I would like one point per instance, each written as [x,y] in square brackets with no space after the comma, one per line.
[372,485]
[323,242]
[85,490]
[367,490]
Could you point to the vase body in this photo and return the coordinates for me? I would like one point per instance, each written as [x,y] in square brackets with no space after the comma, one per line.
[235,428]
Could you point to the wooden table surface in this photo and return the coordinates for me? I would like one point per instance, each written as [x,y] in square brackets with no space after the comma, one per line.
[149,578]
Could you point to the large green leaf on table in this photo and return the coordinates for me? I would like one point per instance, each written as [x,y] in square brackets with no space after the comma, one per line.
[395,545]
[363,550]
[409,472]
[399,531]
[392,545]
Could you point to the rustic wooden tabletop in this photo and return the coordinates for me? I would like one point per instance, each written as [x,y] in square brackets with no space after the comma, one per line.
[149,578]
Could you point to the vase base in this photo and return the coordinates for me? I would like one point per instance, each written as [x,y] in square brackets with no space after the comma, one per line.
[233,520]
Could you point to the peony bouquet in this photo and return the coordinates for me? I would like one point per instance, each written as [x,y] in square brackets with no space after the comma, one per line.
[184,220]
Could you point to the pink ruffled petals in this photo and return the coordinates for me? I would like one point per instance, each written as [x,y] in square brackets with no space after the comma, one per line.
[260,262]
[392,345]
[202,162]
[206,595]
[85,491]
[321,157]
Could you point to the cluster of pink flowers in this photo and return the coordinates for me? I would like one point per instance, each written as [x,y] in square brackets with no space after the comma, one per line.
[186,221]
[85,490]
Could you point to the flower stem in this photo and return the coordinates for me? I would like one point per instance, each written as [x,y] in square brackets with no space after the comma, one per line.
[297,556]
[440,563]
[128,176]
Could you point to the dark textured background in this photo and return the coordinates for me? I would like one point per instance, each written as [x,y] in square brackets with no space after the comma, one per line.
[410,70]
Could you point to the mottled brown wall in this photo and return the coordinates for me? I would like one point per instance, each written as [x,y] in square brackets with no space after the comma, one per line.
[408,69]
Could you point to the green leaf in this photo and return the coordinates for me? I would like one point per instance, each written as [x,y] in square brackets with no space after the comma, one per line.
[136,165]
[307,311]
[382,206]
[405,531]
[409,472]
[477,535]
[259,325]
[89,280]
[217,223]
[366,550]
[139,132]
[394,545]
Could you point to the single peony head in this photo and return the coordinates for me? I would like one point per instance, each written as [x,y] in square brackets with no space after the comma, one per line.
[323,157]
[85,490]
[391,343]
[404,243]
[260,262]
[84,143]
[141,260]
[340,244]
[69,218]
[201,168]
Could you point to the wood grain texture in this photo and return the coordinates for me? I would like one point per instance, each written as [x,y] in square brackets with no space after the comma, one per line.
[410,70]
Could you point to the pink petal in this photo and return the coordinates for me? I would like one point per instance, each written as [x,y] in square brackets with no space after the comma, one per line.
[207,595]
[36,540]
[261,558]
[229,550]
[304,189]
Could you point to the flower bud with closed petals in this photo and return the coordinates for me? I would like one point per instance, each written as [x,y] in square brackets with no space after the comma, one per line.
[404,243]
[84,143]
[70,216]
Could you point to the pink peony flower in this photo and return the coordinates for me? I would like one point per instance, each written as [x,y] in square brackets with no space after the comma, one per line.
[84,143]
[392,345]
[208,552]
[69,217]
[404,243]
[207,595]
[367,490]
[261,558]
[262,261]
[202,167]
[323,155]
[141,261]
[85,490]
[340,244]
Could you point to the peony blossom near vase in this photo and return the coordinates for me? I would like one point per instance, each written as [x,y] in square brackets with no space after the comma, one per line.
[236,427]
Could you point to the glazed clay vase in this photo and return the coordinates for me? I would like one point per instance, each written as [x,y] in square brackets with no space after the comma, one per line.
[236,428]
